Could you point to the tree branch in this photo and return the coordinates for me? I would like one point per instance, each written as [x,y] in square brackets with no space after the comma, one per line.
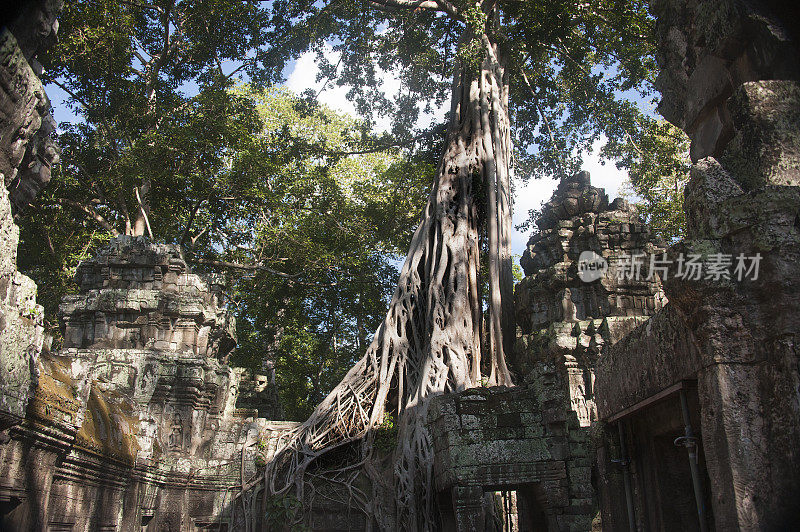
[123,206]
[91,212]
[196,237]
[159,60]
[602,102]
[435,131]
[290,278]
[393,6]
[541,113]
[141,6]
[143,208]
[189,223]
[89,109]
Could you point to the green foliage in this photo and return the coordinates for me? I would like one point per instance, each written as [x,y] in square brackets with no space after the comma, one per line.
[261,451]
[331,220]
[281,512]
[51,246]
[516,269]
[386,435]
[305,207]
[474,18]
[657,179]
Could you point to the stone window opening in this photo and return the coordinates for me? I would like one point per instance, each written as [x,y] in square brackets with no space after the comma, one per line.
[516,509]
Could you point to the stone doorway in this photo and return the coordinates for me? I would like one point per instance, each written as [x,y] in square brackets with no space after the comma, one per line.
[659,458]
[518,509]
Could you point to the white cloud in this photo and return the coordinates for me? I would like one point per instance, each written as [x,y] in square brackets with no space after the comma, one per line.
[605,176]
[527,197]
[538,191]
[304,76]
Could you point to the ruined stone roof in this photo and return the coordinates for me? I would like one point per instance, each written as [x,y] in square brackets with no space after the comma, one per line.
[136,294]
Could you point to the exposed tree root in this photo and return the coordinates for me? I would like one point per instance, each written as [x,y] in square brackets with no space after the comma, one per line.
[430,341]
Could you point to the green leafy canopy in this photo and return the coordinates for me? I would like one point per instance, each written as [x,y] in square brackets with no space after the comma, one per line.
[581,73]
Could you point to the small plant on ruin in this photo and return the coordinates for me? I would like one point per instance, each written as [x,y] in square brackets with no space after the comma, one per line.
[261,451]
[386,435]
[279,513]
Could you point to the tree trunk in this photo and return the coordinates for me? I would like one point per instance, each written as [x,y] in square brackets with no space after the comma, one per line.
[430,341]
[142,223]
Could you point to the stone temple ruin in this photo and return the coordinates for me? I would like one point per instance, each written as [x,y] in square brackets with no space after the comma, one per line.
[646,402]
[533,441]
[134,421]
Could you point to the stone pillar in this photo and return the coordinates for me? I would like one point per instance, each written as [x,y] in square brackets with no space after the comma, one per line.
[729,78]
[732,426]
[468,506]
[27,151]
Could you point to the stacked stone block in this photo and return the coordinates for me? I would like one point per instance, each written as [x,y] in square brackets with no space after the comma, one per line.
[509,439]
[137,295]
[565,321]
[259,392]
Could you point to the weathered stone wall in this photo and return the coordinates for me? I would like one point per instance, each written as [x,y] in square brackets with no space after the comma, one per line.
[730,80]
[27,147]
[640,378]
[708,48]
[135,422]
[139,295]
[21,330]
[511,439]
[26,152]
[665,352]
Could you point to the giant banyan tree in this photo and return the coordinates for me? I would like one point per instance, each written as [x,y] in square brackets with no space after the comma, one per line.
[502,59]
[430,341]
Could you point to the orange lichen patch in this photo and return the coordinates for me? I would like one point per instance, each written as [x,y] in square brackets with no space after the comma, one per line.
[55,399]
[110,425]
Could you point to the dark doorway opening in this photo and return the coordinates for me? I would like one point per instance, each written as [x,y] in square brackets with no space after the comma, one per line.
[517,509]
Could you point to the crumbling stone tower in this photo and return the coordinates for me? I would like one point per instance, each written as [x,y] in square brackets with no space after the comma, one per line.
[134,422]
[564,320]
